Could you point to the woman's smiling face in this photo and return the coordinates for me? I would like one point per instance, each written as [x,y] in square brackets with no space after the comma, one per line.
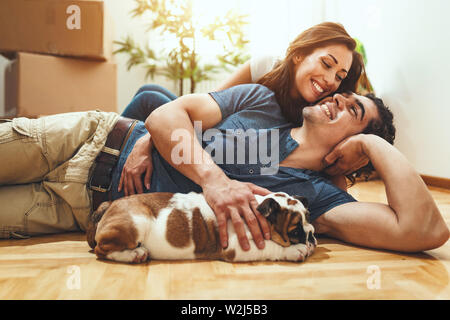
[320,73]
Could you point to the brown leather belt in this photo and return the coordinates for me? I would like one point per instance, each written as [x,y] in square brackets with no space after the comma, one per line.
[101,178]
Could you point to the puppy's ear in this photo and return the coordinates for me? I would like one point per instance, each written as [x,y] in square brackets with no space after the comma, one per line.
[268,206]
[303,200]
[94,219]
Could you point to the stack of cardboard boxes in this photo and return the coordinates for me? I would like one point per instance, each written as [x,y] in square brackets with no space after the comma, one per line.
[61,57]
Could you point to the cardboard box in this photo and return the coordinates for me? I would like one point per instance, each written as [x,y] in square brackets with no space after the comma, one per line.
[37,85]
[79,28]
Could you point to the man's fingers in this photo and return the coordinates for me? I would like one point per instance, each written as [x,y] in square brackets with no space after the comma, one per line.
[239,228]
[360,164]
[331,158]
[262,221]
[334,170]
[253,226]
[148,176]
[222,224]
[258,190]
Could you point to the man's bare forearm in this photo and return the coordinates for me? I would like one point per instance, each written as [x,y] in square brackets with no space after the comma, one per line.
[407,194]
[197,165]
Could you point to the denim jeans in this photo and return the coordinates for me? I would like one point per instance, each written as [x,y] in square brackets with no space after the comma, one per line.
[148,98]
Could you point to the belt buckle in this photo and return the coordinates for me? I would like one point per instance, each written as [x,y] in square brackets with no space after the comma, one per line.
[98,188]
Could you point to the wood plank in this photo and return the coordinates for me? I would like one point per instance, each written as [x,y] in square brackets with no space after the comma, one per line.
[48,267]
[438,182]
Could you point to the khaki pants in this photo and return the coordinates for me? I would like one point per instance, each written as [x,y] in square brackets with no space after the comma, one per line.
[44,169]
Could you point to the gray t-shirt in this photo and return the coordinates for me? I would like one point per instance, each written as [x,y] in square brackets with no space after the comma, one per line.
[252,116]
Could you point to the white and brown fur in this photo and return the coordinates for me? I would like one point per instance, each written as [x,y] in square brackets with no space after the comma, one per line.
[178,226]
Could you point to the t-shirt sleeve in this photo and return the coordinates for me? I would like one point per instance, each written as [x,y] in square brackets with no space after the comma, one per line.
[240,97]
[260,65]
[328,197]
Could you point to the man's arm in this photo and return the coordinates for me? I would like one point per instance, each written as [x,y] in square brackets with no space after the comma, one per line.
[410,222]
[228,198]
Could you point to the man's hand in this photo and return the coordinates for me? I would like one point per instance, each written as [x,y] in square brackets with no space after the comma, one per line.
[347,157]
[139,162]
[233,199]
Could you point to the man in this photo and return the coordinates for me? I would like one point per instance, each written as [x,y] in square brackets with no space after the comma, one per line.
[52,160]
[325,125]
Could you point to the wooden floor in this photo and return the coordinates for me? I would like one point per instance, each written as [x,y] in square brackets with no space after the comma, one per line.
[61,267]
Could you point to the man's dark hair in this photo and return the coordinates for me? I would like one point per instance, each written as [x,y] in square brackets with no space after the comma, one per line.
[382,127]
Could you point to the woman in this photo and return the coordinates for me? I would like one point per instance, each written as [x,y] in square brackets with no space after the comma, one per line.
[284,77]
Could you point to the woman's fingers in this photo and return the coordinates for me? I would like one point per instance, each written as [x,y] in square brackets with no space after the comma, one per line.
[137,183]
[148,176]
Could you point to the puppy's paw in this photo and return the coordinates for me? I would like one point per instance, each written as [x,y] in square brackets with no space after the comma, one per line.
[137,255]
[298,252]
[141,255]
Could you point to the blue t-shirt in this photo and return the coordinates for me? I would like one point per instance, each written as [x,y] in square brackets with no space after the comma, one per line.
[249,142]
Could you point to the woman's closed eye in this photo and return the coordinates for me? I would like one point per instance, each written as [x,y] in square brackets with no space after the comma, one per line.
[328,66]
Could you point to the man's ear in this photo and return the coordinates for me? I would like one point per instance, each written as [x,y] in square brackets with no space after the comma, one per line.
[302,200]
[268,206]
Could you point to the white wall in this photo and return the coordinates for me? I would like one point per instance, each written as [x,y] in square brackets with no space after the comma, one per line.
[129,81]
[407,43]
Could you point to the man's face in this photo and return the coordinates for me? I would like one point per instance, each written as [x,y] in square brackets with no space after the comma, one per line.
[340,116]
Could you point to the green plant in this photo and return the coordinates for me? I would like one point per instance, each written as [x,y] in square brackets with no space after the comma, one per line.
[183,61]
[364,85]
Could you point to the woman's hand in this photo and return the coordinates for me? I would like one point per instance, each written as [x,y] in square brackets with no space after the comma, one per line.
[233,199]
[347,157]
[139,162]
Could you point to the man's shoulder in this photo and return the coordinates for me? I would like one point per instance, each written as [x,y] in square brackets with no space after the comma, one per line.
[247,97]
[328,196]
[248,89]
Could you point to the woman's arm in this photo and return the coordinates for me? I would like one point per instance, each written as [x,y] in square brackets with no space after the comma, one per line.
[139,162]
[241,76]
[409,222]
[228,198]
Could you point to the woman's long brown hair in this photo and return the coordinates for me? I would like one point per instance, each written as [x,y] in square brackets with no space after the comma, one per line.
[281,78]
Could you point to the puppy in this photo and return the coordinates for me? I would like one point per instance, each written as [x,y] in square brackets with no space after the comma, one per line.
[177,226]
